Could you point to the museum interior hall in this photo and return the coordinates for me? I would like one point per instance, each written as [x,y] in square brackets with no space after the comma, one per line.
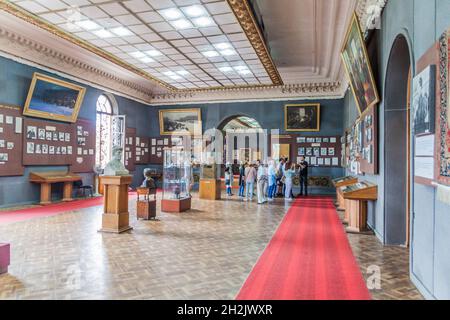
[238,150]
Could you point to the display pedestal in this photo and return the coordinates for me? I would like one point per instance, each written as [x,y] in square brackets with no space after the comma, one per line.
[175,205]
[145,207]
[356,201]
[346,205]
[357,210]
[116,217]
[4,257]
[210,189]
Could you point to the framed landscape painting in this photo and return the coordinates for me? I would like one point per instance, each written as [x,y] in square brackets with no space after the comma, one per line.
[180,122]
[357,65]
[53,99]
[302,117]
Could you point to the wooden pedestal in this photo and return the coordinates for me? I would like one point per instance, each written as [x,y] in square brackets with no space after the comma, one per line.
[340,200]
[210,189]
[115,218]
[4,257]
[357,222]
[175,206]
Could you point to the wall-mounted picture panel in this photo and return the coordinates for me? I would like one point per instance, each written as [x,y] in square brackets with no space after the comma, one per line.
[302,117]
[423,109]
[357,64]
[180,121]
[54,99]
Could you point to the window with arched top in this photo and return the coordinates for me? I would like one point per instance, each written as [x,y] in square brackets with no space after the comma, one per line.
[104,131]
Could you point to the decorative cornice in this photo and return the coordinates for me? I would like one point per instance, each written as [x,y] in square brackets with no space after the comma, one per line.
[330,90]
[21,48]
[369,13]
[244,15]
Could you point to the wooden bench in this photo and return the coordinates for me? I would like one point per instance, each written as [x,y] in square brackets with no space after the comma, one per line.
[4,257]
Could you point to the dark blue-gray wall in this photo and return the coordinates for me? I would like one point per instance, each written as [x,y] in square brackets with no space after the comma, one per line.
[421,22]
[15,79]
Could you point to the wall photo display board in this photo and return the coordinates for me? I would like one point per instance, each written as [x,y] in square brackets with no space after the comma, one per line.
[156,148]
[142,150]
[319,151]
[130,149]
[11,131]
[84,150]
[361,144]
[47,143]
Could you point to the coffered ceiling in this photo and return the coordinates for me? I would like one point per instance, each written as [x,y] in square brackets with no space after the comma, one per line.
[172,51]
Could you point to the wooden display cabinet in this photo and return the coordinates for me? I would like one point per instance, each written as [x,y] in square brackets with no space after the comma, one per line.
[146,206]
[343,182]
[210,189]
[356,198]
[176,205]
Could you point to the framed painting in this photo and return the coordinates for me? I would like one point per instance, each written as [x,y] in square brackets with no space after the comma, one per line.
[180,122]
[357,65]
[53,99]
[423,108]
[444,110]
[302,117]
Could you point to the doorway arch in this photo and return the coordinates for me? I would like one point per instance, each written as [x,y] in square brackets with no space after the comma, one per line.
[397,141]
[244,139]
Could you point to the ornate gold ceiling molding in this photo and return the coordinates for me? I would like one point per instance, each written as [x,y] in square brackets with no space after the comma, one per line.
[36,54]
[330,90]
[36,21]
[244,15]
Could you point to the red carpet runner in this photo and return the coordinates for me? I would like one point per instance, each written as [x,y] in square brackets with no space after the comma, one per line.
[48,211]
[309,258]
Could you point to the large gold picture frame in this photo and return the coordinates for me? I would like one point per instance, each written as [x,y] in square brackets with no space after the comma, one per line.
[357,66]
[61,101]
[302,117]
[180,122]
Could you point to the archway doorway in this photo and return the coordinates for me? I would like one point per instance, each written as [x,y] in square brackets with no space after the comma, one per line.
[244,139]
[397,142]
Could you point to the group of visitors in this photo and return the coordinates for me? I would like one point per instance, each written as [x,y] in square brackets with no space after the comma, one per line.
[273,179]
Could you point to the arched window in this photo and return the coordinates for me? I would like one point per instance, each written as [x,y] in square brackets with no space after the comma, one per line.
[103,139]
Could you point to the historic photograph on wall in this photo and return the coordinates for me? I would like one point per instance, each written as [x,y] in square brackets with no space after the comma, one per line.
[423,108]
[359,71]
[180,122]
[51,98]
[302,117]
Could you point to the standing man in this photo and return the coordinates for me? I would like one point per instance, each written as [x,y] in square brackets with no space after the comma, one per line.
[303,176]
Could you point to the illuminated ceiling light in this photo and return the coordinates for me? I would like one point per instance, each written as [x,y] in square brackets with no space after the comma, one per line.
[121,32]
[183,72]
[203,22]
[147,60]
[169,73]
[88,25]
[153,53]
[240,68]
[176,77]
[171,14]
[228,52]
[194,11]
[210,54]
[222,46]
[103,33]
[244,72]
[226,69]
[182,24]
[137,54]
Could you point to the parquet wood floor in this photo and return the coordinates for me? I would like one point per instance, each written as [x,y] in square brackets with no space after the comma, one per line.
[206,253]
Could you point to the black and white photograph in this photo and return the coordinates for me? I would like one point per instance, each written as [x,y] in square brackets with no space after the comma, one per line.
[61,136]
[48,136]
[31,132]
[67,137]
[301,151]
[30,147]
[45,149]
[38,149]
[423,108]
[55,136]
[10,145]
[51,150]
[41,134]
[3,157]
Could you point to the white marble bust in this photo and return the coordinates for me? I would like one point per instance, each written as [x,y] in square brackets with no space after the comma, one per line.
[115,167]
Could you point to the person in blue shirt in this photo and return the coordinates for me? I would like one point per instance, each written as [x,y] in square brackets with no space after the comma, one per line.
[289,175]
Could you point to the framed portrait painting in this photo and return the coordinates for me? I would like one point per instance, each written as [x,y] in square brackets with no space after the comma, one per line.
[357,65]
[53,99]
[302,117]
[423,108]
[180,122]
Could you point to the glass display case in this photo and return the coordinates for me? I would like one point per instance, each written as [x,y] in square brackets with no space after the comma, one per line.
[177,180]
